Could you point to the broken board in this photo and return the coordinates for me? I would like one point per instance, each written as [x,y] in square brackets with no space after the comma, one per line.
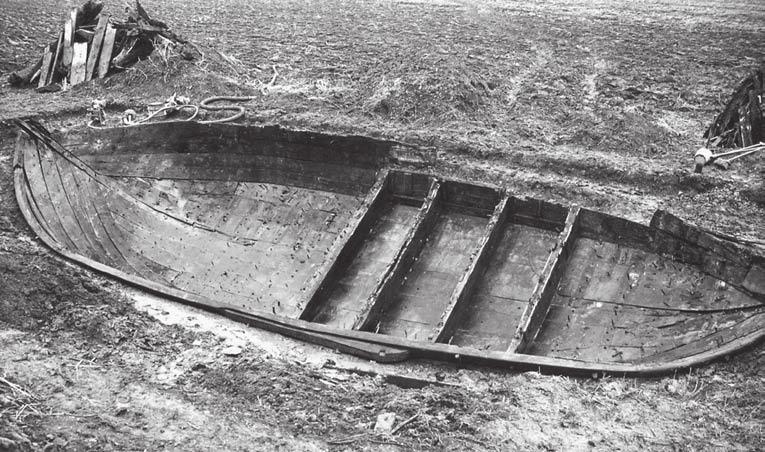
[45,68]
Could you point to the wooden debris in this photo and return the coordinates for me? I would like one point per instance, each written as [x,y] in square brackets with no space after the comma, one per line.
[56,60]
[95,48]
[45,68]
[106,51]
[69,39]
[79,59]
[742,121]
[89,42]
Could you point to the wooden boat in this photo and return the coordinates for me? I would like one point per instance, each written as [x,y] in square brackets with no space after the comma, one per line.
[321,238]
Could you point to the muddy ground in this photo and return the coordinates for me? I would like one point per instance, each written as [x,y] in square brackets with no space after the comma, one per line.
[599,103]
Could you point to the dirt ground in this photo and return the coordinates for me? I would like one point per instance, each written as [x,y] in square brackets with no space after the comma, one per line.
[600,103]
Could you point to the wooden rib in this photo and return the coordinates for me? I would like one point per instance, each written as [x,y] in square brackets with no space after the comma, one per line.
[35,173]
[479,261]
[409,251]
[45,69]
[95,48]
[539,303]
[64,177]
[105,60]
[346,245]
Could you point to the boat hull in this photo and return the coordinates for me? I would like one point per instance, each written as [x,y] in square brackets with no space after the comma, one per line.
[320,238]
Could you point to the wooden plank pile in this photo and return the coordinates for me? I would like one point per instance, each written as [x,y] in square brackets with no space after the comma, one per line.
[93,44]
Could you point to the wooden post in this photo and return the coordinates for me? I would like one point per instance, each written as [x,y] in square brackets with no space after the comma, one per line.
[106,51]
[95,47]
[79,57]
[69,39]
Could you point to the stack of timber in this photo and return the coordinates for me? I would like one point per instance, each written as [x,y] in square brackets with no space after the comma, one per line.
[326,238]
[93,45]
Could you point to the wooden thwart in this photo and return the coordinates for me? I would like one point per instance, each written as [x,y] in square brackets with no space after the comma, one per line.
[539,304]
[453,312]
[391,281]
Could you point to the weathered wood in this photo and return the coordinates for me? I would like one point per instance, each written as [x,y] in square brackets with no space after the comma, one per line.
[105,59]
[721,256]
[470,198]
[95,47]
[391,280]
[137,49]
[539,304]
[236,167]
[344,247]
[252,249]
[360,348]
[417,303]
[45,68]
[79,59]
[25,76]
[728,129]
[458,300]
[55,70]
[69,28]
[744,126]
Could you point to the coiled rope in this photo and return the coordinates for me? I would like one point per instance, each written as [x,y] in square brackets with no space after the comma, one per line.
[130,117]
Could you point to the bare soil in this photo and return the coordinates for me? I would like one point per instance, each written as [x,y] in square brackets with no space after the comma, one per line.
[596,103]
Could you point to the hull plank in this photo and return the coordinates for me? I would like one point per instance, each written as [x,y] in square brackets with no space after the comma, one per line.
[320,238]
[618,303]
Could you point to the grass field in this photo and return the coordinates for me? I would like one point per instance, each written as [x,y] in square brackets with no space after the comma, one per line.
[599,103]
